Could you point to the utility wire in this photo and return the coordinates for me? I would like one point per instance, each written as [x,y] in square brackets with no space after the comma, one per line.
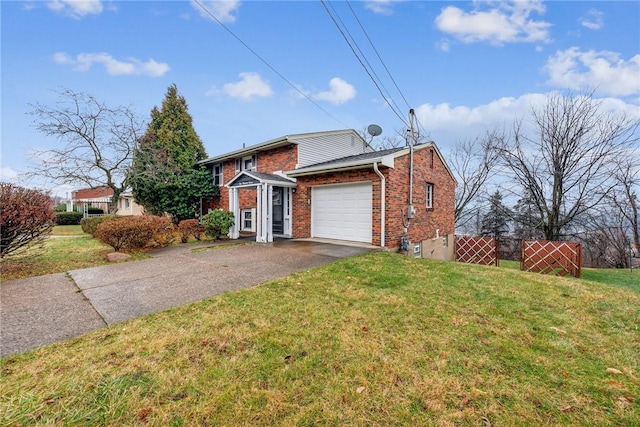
[383,64]
[377,53]
[204,8]
[388,96]
[402,119]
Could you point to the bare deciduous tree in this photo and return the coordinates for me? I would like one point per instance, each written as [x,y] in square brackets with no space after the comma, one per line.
[625,195]
[566,163]
[96,142]
[473,162]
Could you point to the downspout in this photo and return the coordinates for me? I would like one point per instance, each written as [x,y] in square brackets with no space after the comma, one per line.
[383,192]
[411,212]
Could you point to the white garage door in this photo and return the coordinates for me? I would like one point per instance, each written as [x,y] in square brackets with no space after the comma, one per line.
[342,212]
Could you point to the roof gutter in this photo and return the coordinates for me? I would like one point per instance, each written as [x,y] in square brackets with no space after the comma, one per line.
[387,161]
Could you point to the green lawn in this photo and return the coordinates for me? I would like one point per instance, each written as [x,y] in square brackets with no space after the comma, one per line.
[619,277]
[376,340]
[67,248]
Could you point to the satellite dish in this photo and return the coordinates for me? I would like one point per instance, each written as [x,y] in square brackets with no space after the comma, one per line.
[374,130]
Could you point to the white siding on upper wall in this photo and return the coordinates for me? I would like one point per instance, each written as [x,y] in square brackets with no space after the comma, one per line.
[322,148]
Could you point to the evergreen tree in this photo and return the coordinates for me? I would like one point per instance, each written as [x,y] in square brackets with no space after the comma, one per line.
[527,219]
[495,222]
[165,177]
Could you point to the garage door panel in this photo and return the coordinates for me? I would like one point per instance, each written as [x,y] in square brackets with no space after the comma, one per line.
[342,212]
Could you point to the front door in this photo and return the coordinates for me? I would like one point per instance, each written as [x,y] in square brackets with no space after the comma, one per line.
[278,211]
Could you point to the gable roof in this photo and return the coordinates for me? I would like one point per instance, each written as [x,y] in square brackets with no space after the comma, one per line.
[251,178]
[273,143]
[384,157]
[93,194]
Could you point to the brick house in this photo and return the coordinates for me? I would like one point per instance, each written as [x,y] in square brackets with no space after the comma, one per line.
[333,185]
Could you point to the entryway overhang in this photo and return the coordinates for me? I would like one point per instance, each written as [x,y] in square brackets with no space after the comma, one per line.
[264,184]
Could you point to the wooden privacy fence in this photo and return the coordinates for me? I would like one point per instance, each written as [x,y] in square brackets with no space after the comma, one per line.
[477,250]
[558,258]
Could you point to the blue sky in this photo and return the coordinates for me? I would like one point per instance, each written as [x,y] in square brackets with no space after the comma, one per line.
[465,67]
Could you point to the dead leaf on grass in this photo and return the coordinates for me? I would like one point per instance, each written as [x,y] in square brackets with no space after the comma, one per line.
[567,408]
[626,399]
[616,384]
[143,415]
[613,371]
[558,330]
[360,389]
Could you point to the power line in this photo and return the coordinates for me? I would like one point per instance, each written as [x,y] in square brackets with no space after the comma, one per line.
[204,8]
[391,104]
[378,54]
[420,126]
[388,96]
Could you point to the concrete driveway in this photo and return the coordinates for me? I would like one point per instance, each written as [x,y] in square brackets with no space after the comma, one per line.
[45,309]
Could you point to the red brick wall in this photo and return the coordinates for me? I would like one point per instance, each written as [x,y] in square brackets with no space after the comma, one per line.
[301,204]
[279,159]
[426,221]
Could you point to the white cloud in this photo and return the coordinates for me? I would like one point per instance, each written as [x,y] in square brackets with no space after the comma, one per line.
[382,7]
[503,22]
[249,86]
[444,44]
[592,20]
[114,67]
[339,92]
[223,10]
[76,8]
[8,174]
[449,124]
[603,71]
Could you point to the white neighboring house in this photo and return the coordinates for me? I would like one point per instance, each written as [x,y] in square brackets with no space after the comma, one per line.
[127,205]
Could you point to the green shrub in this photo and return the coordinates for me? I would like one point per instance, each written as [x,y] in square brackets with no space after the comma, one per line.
[68,218]
[190,227]
[89,225]
[217,223]
[62,207]
[127,233]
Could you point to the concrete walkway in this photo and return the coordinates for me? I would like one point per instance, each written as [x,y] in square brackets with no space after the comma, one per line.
[45,309]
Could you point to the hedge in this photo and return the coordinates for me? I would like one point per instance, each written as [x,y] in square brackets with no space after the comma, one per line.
[68,218]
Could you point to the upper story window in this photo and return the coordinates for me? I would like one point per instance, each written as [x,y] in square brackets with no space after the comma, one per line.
[247,163]
[429,196]
[218,178]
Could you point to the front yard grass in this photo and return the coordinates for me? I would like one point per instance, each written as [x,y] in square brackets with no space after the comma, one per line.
[68,248]
[376,340]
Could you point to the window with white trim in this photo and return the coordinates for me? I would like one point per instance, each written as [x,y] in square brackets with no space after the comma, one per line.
[247,163]
[429,196]
[218,178]
[247,216]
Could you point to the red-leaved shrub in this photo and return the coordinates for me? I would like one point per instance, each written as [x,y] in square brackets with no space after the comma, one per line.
[127,233]
[190,227]
[26,217]
[162,230]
